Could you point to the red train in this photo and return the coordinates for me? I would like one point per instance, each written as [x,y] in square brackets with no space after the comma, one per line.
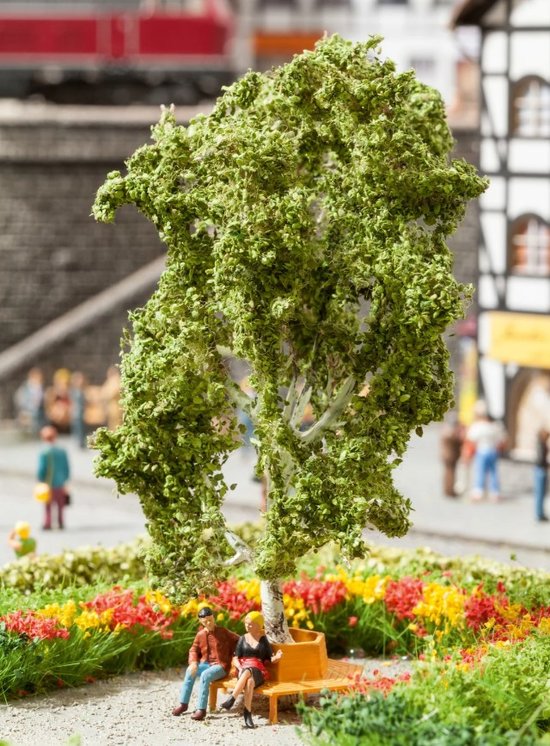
[114,52]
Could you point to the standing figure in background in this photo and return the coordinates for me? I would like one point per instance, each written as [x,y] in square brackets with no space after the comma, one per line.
[29,402]
[541,473]
[53,468]
[452,437]
[78,407]
[110,395]
[489,439]
[21,541]
[58,401]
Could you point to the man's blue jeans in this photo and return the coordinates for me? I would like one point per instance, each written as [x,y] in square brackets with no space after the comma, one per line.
[485,465]
[206,674]
[540,490]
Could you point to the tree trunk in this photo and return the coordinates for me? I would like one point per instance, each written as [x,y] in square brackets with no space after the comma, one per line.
[276,626]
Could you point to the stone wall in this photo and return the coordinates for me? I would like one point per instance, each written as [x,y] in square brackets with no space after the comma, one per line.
[54,256]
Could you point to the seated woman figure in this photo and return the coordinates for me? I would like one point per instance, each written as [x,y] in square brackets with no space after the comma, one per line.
[251,654]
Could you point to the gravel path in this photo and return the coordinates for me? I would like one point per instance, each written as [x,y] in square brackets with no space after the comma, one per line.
[135,710]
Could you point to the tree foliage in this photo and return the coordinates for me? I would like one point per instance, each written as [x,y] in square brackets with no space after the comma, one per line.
[305,221]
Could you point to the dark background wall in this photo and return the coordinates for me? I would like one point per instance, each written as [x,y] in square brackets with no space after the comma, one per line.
[464,245]
[54,256]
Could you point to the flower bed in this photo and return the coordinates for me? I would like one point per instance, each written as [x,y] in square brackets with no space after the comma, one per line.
[385,614]
[469,625]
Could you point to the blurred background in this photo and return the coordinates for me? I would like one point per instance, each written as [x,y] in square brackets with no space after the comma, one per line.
[80,85]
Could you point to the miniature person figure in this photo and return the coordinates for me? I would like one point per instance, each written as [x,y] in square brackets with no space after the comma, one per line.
[110,394]
[251,654]
[541,473]
[21,541]
[451,447]
[489,439]
[58,401]
[53,468]
[210,659]
[78,407]
[29,402]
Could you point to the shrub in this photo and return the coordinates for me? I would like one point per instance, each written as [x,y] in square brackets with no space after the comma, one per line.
[78,567]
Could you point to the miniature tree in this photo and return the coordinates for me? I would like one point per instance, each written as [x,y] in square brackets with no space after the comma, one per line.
[305,220]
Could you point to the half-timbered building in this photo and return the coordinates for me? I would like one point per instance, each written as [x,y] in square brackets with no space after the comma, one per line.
[513,292]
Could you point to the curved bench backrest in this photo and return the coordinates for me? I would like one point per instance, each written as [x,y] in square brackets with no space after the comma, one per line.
[304,659]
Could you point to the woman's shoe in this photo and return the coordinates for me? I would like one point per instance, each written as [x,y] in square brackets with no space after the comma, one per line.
[228,704]
[248,722]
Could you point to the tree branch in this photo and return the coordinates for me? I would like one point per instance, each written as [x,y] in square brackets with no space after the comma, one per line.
[334,410]
[300,408]
[243,553]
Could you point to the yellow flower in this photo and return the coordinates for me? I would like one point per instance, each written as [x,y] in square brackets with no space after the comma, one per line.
[191,607]
[370,589]
[544,626]
[251,589]
[441,604]
[157,599]
[92,620]
[63,614]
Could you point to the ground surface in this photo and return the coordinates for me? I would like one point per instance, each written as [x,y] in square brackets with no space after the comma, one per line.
[135,710]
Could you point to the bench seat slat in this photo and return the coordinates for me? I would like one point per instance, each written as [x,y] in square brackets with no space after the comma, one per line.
[339,678]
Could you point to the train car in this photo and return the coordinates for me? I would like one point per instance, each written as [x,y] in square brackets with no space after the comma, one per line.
[115,52]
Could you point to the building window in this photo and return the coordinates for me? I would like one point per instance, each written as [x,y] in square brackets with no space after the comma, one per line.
[530,246]
[531,108]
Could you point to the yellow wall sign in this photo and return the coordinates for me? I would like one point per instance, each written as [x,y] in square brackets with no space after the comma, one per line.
[521,338]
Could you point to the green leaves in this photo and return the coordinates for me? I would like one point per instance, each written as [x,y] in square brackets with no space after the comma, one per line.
[305,223]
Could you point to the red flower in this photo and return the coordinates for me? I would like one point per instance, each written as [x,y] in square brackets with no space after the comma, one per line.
[402,596]
[382,684]
[352,621]
[318,595]
[480,608]
[229,599]
[127,614]
[34,627]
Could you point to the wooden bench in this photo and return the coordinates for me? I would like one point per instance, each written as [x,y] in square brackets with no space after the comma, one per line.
[304,669]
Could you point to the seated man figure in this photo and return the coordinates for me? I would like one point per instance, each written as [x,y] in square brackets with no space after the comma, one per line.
[210,659]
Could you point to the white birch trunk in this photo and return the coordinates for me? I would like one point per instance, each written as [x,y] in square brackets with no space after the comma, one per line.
[276,627]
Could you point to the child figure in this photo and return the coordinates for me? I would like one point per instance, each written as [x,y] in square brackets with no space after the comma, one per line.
[21,541]
[251,654]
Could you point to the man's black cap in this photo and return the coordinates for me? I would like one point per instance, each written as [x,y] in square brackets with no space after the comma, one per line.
[205,611]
